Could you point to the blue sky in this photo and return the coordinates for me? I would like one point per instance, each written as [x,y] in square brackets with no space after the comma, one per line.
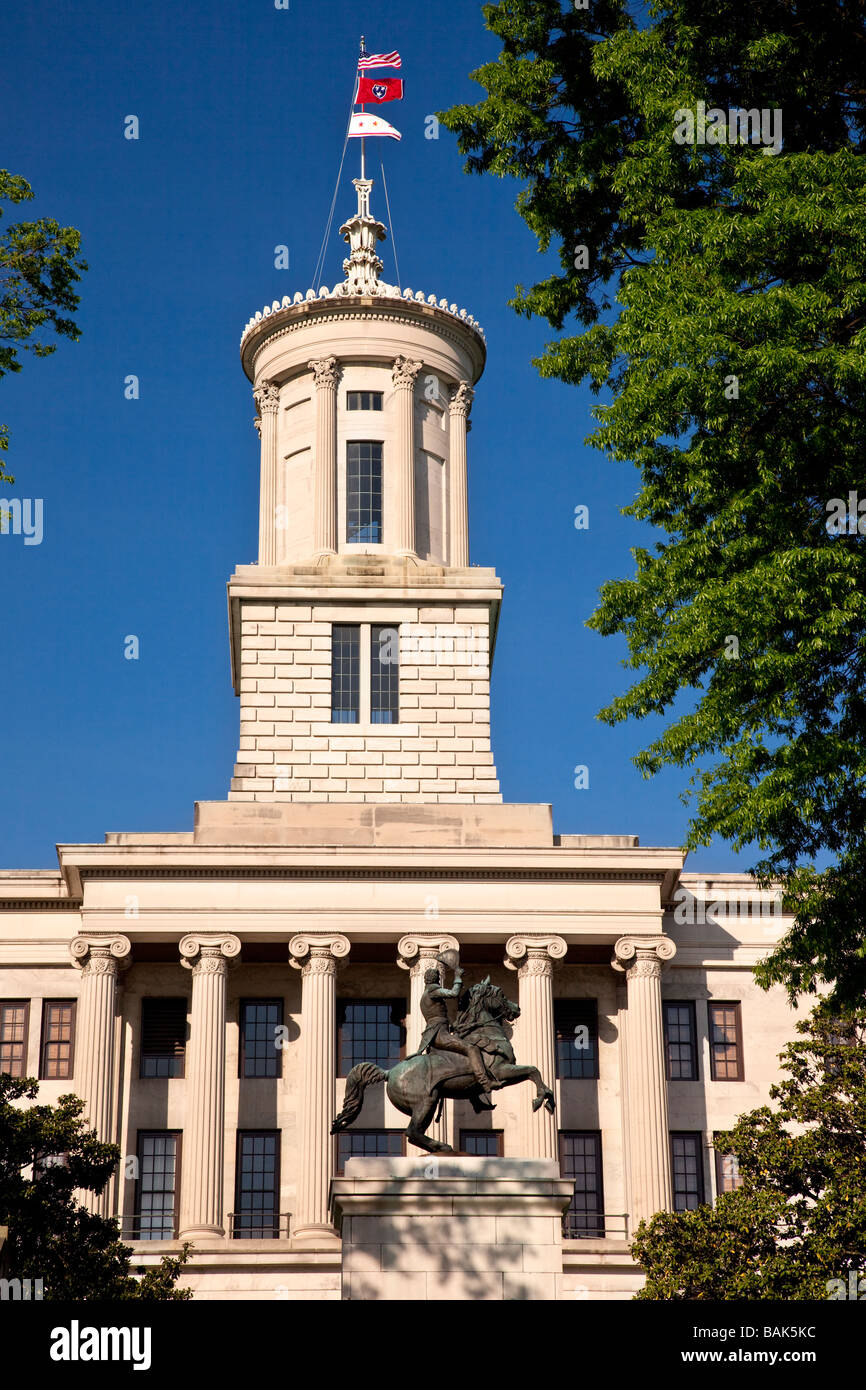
[149,504]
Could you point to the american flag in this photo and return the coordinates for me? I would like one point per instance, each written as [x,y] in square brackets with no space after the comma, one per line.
[379,60]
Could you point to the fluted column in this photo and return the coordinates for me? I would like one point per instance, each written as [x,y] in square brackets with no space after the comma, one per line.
[98,958]
[534,1037]
[648,1146]
[417,954]
[461,403]
[326,373]
[404,376]
[267,398]
[202,1176]
[316,957]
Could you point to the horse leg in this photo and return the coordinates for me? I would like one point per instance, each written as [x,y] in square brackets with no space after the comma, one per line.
[421,1117]
[510,1073]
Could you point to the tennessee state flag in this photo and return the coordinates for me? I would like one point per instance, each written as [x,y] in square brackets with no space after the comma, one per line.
[379,89]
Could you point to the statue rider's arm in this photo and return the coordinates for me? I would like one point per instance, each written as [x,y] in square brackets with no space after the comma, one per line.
[442,993]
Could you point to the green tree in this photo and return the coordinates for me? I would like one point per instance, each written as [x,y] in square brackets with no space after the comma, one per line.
[723,316]
[77,1254]
[798,1222]
[39,266]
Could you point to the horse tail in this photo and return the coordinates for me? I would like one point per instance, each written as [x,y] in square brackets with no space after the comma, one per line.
[360,1077]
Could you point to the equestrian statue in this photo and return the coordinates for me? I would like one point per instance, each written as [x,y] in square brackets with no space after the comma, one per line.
[461,1060]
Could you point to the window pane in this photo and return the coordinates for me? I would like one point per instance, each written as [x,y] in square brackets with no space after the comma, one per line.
[688,1171]
[680,1040]
[727,1172]
[384,675]
[257,1186]
[363,400]
[57,1023]
[580,1160]
[368,1143]
[484,1142]
[155,1190]
[260,1020]
[725,1042]
[370,1030]
[163,1036]
[345,673]
[364,491]
[13,1036]
[576,1027]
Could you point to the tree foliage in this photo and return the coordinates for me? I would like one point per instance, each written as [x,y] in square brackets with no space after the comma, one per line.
[723,318]
[76,1253]
[39,266]
[798,1222]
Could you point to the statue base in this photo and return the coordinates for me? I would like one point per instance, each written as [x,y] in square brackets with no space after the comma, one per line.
[450,1228]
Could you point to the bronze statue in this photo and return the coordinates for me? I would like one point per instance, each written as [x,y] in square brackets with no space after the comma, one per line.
[460,1061]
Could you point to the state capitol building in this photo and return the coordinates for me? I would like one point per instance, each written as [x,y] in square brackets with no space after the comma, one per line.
[207,992]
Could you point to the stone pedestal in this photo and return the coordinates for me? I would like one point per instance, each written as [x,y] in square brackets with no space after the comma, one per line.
[448,1228]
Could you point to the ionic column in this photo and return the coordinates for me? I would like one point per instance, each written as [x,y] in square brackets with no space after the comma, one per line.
[267,398]
[98,958]
[316,957]
[326,373]
[418,954]
[404,376]
[534,1035]
[460,405]
[648,1145]
[202,1176]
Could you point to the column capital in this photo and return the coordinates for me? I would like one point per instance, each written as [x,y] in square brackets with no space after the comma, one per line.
[642,955]
[208,954]
[326,372]
[100,955]
[461,399]
[267,397]
[318,953]
[405,373]
[533,955]
[414,952]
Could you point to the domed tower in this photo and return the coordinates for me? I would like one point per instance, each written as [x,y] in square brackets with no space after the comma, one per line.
[362,640]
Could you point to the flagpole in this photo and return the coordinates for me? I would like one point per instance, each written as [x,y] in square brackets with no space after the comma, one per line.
[363,141]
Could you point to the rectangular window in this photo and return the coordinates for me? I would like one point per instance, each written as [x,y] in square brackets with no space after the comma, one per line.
[727,1171]
[260,1021]
[58,1030]
[384,675]
[369,1143]
[576,1025]
[157,1187]
[345,673]
[688,1171]
[364,491]
[363,400]
[14,1023]
[257,1186]
[580,1160]
[163,1036]
[726,1042]
[486,1143]
[681,1047]
[370,1030]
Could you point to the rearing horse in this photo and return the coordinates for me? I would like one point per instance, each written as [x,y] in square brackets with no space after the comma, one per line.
[418,1083]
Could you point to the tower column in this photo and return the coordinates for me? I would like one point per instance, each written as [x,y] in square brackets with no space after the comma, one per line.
[533,958]
[404,376]
[326,373]
[648,1147]
[460,405]
[316,957]
[267,398]
[202,1174]
[98,958]
[417,954]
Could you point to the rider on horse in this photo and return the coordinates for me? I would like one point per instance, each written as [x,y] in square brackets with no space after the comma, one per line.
[439,1034]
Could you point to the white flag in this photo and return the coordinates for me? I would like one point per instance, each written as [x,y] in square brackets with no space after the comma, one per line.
[364,124]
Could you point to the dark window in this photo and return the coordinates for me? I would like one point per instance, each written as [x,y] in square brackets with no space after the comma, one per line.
[58,1036]
[580,1160]
[370,1030]
[384,675]
[260,1023]
[363,400]
[157,1187]
[364,491]
[257,1185]
[688,1171]
[681,1047]
[14,1022]
[163,1036]
[727,1172]
[369,1143]
[345,673]
[726,1042]
[576,1025]
[485,1142]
